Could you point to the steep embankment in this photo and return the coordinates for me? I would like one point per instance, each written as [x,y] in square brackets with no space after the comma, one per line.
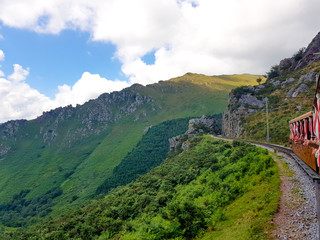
[60,159]
[289,91]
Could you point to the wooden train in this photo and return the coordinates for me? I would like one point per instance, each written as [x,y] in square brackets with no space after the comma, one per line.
[305,133]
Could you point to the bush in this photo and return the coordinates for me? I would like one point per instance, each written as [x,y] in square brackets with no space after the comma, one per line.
[298,55]
[274,72]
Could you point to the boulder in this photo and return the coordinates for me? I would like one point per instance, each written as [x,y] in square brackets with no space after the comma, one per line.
[308,77]
[287,82]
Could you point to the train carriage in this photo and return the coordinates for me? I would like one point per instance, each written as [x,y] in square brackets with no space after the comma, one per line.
[305,134]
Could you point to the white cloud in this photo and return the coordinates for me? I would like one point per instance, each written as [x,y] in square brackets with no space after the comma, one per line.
[18,100]
[19,74]
[89,86]
[2,56]
[204,36]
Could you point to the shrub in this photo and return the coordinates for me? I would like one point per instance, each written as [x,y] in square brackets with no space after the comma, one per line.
[274,72]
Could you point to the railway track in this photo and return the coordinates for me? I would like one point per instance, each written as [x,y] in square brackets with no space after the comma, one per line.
[278,148]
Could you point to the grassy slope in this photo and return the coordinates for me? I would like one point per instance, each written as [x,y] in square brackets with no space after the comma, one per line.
[200,192]
[82,168]
[281,110]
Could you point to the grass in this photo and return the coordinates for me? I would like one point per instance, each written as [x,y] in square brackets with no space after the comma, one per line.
[281,110]
[249,217]
[214,190]
[78,161]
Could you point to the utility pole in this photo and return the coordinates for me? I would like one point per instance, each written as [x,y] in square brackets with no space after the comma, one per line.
[267,113]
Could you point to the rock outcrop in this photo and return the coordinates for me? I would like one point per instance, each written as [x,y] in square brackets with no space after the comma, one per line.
[240,104]
[245,101]
[198,126]
[301,59]
[91,118]
[308,57]
[294,92]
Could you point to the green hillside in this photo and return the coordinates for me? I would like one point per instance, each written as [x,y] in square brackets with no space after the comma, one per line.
[58,161]
[205,192]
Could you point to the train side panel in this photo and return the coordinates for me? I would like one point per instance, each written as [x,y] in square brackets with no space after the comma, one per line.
[305,153]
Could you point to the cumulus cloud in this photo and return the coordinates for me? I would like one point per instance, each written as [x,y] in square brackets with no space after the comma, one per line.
[19,74]
[204,36]
[18,100]
[1,55]
[87,87]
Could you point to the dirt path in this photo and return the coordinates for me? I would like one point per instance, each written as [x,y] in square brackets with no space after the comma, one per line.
[296,218]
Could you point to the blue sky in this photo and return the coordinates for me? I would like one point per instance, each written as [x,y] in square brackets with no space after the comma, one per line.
[57,59]
[59,52]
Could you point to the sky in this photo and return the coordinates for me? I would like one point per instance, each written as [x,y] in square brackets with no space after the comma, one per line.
[59,52]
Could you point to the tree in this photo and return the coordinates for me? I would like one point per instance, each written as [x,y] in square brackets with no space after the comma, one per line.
[259,80]
[274,72]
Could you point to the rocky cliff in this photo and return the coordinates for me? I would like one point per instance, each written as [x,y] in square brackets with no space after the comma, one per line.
[91,118]
[241,103]
[301,58]
[285,89]
[197,126]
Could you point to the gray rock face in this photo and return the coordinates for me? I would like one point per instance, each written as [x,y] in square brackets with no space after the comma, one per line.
[286,65]
[205,124]
[308,77]
[294,92]
[245,105]
[173,142]
[250,100]
[275,83]
[10,128]
[4,149]
[91,118]
[231,124]
[307,59]
[287,82]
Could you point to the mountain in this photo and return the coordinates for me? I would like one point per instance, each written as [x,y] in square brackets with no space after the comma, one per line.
[289,90]
[60,159]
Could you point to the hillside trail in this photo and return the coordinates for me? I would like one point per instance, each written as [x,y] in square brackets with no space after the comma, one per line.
[296,218]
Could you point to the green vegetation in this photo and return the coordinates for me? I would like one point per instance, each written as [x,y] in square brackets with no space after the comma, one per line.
[299,54]
[197,193]
[149,153]
[259,80]
[273,72]
[77,149]
[281,109]
[20,211]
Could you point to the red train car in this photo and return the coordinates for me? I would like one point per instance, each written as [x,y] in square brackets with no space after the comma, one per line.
[305,134]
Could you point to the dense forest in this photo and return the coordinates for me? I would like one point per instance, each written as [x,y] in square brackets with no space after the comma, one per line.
[191,194]
[149,152]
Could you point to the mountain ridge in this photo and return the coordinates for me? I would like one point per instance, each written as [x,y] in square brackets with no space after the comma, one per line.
[76,148]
